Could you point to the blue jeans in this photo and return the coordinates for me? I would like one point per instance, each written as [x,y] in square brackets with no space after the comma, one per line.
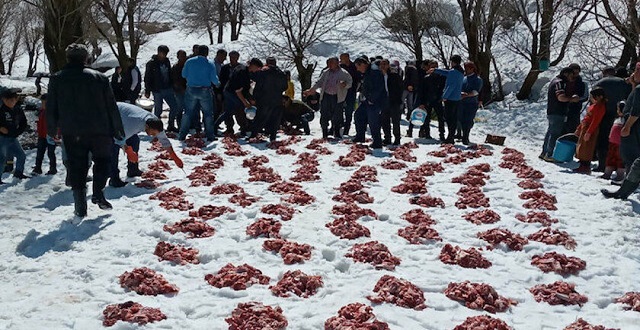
[11,146]
[164,95]
[368,114]
[349,107]
[556,127]
[198,98]
[466,115]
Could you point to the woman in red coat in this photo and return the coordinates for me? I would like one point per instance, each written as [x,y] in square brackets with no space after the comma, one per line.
[588,130]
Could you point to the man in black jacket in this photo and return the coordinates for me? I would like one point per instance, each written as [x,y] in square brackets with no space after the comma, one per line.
[429,98]
[271,82]
[350,100]
[131,81]
[224,76]
[157,80]
[373,99]
[411,81]
[12,123]
[392,112]
[81,104]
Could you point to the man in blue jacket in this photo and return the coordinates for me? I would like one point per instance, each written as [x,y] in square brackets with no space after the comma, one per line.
[201,75]
[471,87]
[373,97]
[452,94]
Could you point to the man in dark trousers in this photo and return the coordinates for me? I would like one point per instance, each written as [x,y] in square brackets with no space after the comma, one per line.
[271,82]
[179,89]
[12,123]
[392,111]
[157,80]
[131,81]
[225,75]
[616,89]
[452,94]
[81,104]
[558,99]
[350,100]
[373,98]
[237,96]
[411,81]
[429,97]
[575,87]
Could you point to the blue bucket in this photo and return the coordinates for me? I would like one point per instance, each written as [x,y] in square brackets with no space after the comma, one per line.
[250,112]
[564,150]
[418,117]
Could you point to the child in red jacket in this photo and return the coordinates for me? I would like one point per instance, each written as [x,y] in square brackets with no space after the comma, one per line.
[614,160]
[588,130]
[45,143]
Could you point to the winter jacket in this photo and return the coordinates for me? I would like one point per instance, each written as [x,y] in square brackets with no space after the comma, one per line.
[590,124]
[453,85]
[372,88]
[615,136]
[294,110]
[411,77]
[430,89]
[239,79]
[179,83]
[118,88]
[132,80]
[356,76]
[395,88]
[200,72]
[577,87]
[225,74]
[13,120]
[342,75]
[80,102]
[291,90]
[134,121]
[471,83]
[270,84]
[157,75]
[632,106]
[616,90]
[554,106]
[41,125]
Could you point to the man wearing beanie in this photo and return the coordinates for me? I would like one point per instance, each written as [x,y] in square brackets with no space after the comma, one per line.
[81,104]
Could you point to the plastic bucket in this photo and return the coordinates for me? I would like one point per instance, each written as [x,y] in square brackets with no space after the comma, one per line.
[250,113]
[145,104]
[418,117]
[565,149]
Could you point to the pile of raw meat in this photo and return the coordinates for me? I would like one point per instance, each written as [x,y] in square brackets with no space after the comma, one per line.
[357,154]
[316,144]
[265,227]
[558,293]
[285,212]
[541,217]
[496,236]
[202,176]
[471,195]
[469,258]
[131,312]
[226,189]
[539,199]
[478,296]
[581,324]
[173,199]
[399,292]
[482,217]
[419,233]
[405,153]
[256,316]
[427,201]
[374,253]
[355,316]
[191,226]
[209,212]
[243,199]
[298,283]
[558,263]
[291,252]
[146,281]
[553,237]
[233,148]
[483,322]
[176,253]
[348,228]
[308,170]
[237,278]
[632,299]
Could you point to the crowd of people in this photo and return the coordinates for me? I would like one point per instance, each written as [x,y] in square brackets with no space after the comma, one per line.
[609,132]
[94,118]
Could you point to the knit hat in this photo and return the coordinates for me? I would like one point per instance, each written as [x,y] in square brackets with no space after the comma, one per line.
[77,52]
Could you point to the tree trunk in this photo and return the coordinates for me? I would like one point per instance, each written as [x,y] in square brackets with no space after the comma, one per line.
[221,19]
[210,33]
[628,54]
[234,29]
[2,69]
[527,85]
[499,96]
[62,27]
[31,68]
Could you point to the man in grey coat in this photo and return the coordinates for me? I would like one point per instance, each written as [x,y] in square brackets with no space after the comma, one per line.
[334,84]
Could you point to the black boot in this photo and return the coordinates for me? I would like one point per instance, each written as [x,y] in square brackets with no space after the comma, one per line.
[133,170]
[325,133]
[52,170]
[624,192]
[409,133]
[37,170]
[98,199]
[117,183]
[465,137]
[80,202]
[19,175]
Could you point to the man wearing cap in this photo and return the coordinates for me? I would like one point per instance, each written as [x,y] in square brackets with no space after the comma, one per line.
[616,90]
[81,104]
[12,123]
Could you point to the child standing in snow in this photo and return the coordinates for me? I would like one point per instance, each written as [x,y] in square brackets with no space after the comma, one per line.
[614,160]
[45,142]
[588,130]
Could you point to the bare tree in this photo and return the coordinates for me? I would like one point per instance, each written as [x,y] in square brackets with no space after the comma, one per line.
[481,19]
[32,36]
[290,27]
[546,22]
[63,25]
[235,15]
[120,23]
[620,20]
[199,15]
[409,21]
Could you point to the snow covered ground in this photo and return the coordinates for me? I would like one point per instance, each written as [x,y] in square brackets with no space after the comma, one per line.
[59,274]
